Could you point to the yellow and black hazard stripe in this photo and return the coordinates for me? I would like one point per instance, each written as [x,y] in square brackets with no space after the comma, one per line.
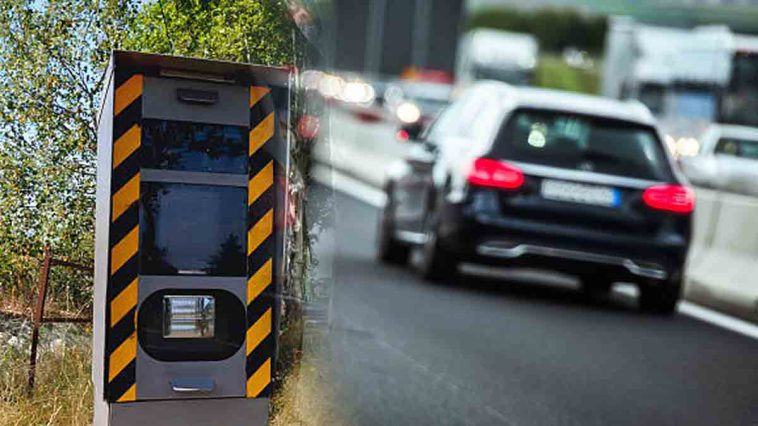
[121,335]
[260,339]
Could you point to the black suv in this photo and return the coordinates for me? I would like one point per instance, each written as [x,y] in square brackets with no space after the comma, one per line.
[547,179]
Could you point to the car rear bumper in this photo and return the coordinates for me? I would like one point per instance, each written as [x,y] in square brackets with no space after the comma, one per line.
[495,239]
[509,251]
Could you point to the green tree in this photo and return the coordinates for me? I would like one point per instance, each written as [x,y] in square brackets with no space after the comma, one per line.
[554,28]
[252,31]
[52,55]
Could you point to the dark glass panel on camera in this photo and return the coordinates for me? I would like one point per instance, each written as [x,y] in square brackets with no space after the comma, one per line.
[192,229]
[195,147]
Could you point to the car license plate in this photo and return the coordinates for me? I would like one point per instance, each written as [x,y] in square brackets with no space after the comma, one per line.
[580,193]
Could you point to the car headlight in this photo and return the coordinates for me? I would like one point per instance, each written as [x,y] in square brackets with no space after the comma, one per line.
[357,92]
[408,112]
[687,147]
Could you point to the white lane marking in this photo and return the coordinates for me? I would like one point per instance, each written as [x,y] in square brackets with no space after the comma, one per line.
[704,314]
[370,195]
[717,318]
[348,185]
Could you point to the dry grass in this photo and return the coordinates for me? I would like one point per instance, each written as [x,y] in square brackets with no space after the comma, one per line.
[306,397]
[63,395]
[304,400]
[15,305]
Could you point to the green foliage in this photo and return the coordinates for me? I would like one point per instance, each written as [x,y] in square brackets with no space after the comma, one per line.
[554,28]
[52,54]
[252,31]
[554,73]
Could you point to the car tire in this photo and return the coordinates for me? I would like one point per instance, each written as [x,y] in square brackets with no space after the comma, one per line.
[595,287]
[388,248]
[660,297]
[436,264]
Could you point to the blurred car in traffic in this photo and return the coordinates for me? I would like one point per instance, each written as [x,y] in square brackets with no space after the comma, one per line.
[728,160]
[489,54]
[416,101]
[539,178]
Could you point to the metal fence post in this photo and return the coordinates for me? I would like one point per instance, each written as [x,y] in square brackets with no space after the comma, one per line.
[44,273]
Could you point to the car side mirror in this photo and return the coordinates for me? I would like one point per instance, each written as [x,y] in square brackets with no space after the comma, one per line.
[409,132]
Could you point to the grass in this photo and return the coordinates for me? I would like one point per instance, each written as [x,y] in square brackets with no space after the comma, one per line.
[305,397]
[63,394]
[301,400]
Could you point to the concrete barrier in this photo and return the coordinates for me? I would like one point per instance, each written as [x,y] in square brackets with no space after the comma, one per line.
[722,268]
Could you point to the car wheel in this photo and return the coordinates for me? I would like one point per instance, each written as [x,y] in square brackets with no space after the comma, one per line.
[388,249]
[660,297]
[436,264]
[594,287]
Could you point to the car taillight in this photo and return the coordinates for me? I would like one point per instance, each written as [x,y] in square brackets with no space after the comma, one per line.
[495,174]
[670,198]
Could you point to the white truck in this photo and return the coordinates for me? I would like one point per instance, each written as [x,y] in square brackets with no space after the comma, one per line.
[487,54]
[678,73]
[688,78]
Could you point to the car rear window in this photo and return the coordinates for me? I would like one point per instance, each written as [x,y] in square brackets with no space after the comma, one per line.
[573,141]
[743,148]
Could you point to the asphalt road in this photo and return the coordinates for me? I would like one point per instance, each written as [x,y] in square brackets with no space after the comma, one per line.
[400,351]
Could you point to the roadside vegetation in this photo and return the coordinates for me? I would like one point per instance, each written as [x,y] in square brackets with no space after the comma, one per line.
[304,397]
[553,72]
[560,32]
[63,391]
[555,28]
[51,59]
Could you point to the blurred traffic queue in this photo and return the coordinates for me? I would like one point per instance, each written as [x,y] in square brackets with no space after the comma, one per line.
[416,97]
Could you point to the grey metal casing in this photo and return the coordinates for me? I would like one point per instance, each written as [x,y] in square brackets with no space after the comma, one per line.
[197,412]
[159,101]
[102,227]
[157,402]
[154,377]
